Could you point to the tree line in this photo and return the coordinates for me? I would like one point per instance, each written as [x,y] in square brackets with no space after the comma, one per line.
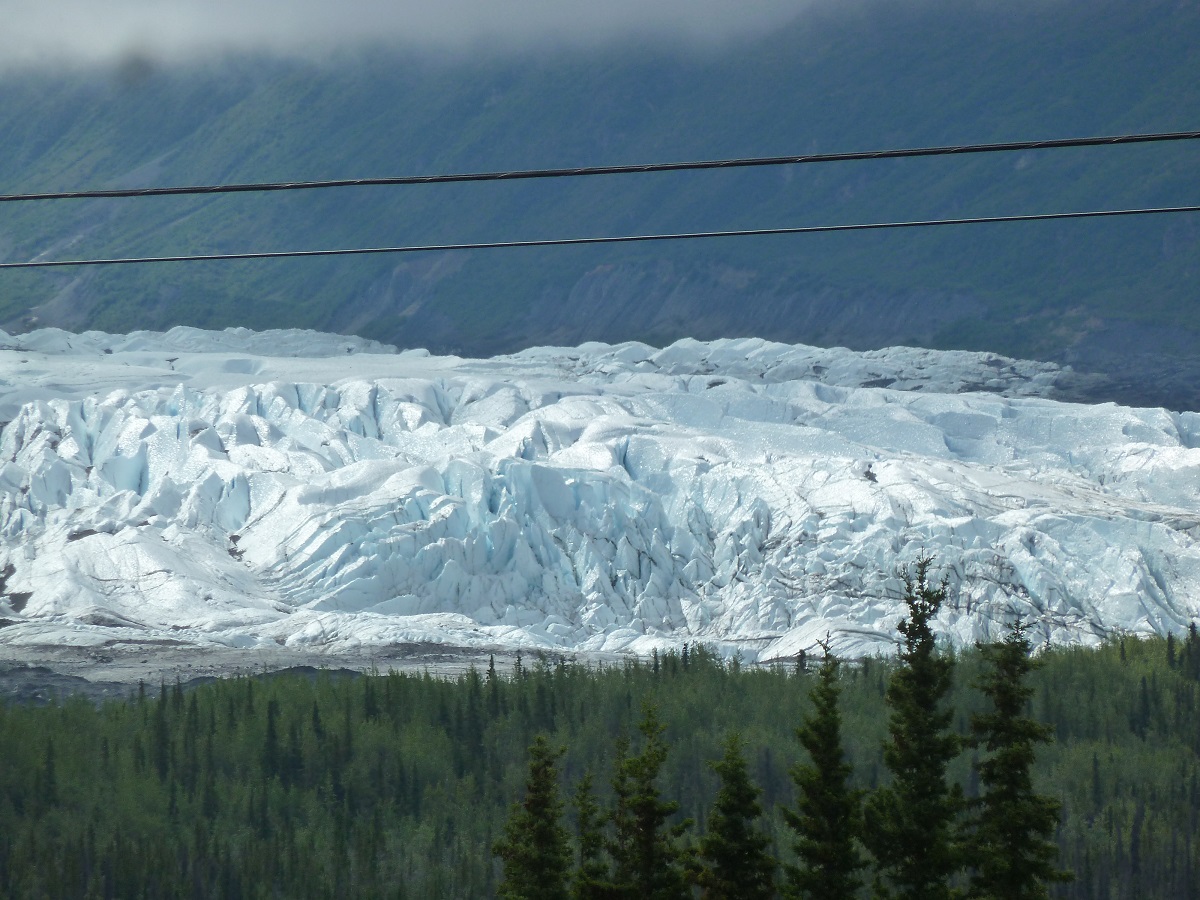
[918,835]
[322,784]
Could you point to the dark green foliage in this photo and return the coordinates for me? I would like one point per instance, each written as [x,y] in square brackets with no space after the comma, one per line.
[910,824]
[734,859]
[648,862]
[48,776]
[591,880]
[1190,660]
[1011,844]
[535,848]
[827,820]
[383,811]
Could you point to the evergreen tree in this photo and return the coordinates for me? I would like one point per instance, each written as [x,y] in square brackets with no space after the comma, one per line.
[591,879]
[270,756]
[1191,653]
[49,775]
[828,815]
[534,848]
[910,825]
[735,862]
[161,735]
[473,722]
[1012,849]
[493,687]
[648,862]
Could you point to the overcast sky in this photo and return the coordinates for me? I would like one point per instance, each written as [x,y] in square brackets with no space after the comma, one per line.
[56,31]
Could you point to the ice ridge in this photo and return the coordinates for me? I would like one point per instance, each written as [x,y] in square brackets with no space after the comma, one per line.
[315,491]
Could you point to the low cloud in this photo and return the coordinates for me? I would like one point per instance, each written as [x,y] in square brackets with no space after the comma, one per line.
[91,31]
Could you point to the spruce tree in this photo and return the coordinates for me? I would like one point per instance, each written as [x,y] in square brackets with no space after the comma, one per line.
[534,848]
[735,861]
[910,825]
[648,862]
[591,880]
[494,702]
[827,820]
[1012,828]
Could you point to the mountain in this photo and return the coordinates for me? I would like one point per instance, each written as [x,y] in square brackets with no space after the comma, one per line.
[1114,297]
[299,492]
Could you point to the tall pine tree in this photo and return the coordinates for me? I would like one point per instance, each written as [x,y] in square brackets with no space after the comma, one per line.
[535,849]
[911,824]
[648,862]
[591,880]
[828,815]
[735,860]
[1012,827]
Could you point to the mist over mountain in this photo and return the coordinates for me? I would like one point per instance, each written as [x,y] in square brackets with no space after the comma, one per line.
[150,30]
[1116,297]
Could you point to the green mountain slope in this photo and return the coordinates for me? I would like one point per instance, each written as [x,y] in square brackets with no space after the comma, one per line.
[1119,296]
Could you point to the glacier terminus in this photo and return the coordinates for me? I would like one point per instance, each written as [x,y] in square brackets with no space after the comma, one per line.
[300,491]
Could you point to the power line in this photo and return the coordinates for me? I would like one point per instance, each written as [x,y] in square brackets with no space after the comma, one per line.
[619,239]
[523,174]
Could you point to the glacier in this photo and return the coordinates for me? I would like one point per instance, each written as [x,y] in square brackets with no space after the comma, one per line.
[296,491]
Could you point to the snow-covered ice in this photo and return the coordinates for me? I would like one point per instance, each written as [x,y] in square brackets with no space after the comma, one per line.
[298,490]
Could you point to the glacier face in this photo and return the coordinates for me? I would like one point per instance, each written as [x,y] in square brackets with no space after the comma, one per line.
[317,492]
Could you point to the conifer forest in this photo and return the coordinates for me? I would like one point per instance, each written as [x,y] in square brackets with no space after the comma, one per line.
[1066,772]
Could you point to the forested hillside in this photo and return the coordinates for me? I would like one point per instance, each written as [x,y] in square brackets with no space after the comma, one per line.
[1117,295]
[320,785]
